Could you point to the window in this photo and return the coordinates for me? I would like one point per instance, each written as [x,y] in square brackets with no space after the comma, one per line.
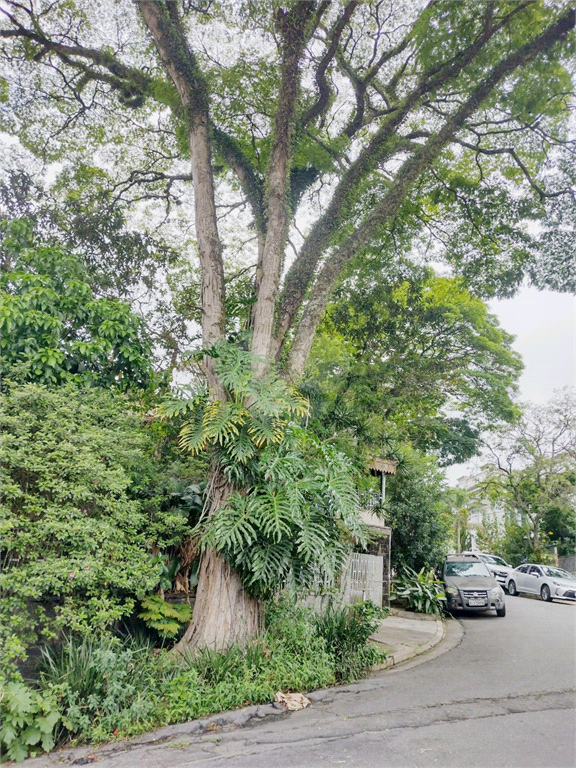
[558,573]
[465,569]
[534,571]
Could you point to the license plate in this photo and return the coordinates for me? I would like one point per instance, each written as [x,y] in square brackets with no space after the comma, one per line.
[476,601]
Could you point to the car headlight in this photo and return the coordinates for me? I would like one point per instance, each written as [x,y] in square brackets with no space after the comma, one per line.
[496,592]
[452,591]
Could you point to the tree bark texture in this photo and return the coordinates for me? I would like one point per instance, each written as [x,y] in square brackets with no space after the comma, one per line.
[292,25]
[224,613]
[165,26]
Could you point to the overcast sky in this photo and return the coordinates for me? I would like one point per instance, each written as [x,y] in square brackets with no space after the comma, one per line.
[544,324]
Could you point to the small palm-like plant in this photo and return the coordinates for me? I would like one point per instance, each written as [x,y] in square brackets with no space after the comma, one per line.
[420,591]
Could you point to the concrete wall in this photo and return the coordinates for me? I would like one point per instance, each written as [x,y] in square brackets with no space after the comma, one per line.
[363,579]
[568,563]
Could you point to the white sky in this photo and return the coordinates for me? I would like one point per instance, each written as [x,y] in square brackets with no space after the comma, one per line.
[544,324]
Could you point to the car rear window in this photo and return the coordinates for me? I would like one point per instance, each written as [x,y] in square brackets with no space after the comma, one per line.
[465,569]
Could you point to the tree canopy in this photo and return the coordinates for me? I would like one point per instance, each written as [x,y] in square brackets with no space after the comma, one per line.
[415,355]
[533,470]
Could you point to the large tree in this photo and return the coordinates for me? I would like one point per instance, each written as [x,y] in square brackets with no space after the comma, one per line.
[346,122]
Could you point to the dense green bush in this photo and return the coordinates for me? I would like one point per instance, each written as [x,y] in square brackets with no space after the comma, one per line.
[414,510]
[420,591]
[53,326]
[346,631]
[80,517]
[97,688]
[102,685]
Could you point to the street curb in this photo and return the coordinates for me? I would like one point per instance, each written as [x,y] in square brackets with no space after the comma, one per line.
[207,727]
[409,653]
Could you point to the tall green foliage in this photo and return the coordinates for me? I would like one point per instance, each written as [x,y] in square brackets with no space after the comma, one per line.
[414,510]
[296,499]
[395,352]
[55,329]
[80,514]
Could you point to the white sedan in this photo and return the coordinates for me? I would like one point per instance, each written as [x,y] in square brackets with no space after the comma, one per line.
[545,580]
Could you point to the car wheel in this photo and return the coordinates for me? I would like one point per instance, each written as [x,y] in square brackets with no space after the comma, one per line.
[545,593]
[501,611]
[512,588]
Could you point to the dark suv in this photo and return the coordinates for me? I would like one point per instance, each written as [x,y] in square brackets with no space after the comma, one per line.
[469,585]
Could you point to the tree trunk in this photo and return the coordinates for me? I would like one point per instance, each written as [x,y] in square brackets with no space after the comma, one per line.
[224,613]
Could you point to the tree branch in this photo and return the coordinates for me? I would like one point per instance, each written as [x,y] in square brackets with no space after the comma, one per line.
[292,25]
[166,29]
[302,270]
[405,178]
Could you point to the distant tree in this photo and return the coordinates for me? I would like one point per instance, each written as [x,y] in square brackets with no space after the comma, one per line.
[415,510]
[418,357]
[533,468]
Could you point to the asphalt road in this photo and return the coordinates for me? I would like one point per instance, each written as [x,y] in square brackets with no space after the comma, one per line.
[504,697]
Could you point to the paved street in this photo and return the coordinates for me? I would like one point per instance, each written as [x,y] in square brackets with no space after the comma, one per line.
[504,697]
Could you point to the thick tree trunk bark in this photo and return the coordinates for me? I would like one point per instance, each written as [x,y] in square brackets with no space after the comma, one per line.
[224,613]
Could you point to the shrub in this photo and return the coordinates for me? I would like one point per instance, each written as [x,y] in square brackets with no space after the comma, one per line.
[421,591]
[79,518]
[109,687]
[29,719]
[102,685]
[346,631]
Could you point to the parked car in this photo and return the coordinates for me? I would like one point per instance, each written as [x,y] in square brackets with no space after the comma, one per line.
[498,567]
[549,582]
[469,585]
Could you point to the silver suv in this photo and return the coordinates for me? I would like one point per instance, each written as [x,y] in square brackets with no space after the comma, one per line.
[499,568]
[469,585]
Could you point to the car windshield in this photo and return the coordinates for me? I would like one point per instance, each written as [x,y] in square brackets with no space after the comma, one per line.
[498,561]
[558,573]
[465,569]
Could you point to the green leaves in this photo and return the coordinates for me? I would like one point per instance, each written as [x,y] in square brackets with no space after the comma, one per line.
[166,618]
[288,528]
[254,417]
[297,497]
[420,591]
[54,329]
[80,513]
[29,718]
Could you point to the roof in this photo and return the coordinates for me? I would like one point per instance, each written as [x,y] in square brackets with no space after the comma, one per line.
[463,558]
[385,466]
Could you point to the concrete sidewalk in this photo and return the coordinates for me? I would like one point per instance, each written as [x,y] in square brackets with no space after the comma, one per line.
[404,634]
